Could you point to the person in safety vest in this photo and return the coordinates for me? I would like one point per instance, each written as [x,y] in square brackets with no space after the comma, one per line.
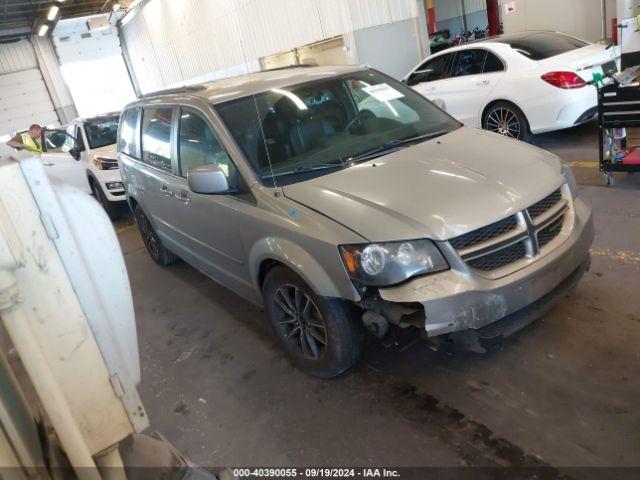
[29,140]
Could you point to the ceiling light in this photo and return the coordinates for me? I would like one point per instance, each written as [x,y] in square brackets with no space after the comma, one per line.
[42,31]
[116,7]
[53,12]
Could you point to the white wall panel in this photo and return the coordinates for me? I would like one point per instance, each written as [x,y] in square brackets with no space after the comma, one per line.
[171,42]
[17,56]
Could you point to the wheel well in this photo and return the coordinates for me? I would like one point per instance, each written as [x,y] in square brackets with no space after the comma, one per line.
[494,102]
[265,267]
[132,204]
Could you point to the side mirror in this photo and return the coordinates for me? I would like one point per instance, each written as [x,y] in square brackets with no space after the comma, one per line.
[75,153]
[207,180]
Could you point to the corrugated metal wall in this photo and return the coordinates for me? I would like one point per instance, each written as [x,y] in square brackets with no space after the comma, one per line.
[16,57]
[446,9]
[172,42]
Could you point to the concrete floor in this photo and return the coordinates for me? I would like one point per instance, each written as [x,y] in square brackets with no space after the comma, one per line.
[564,392]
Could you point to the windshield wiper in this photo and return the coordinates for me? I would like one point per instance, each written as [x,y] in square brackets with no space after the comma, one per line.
[394,145]
[314,168]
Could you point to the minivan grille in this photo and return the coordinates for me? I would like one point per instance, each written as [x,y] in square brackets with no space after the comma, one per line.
[485,234]
[547,234]
[499,259]
[544,205]
[514,238]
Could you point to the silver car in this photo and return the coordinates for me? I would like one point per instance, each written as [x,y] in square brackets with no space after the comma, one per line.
[337,198]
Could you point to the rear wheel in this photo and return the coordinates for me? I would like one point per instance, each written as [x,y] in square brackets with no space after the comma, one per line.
[506,119]
[320,334]
[160,254]
[112,208]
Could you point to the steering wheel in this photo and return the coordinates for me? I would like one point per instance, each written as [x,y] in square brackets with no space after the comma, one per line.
[361,117]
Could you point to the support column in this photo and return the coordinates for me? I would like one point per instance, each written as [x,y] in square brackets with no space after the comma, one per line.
[493,15]
[52,76]
[431,16]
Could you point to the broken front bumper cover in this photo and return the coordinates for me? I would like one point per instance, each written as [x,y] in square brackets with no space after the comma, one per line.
[454,301]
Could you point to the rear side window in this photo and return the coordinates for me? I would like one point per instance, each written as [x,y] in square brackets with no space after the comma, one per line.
[492,64]
[156,137]
[468,62]
[127,138]
[541,45]
[198,145]
[431,70]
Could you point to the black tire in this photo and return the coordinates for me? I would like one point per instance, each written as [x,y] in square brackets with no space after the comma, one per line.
[112,208]
[160,254]
[332,319]
[506,119]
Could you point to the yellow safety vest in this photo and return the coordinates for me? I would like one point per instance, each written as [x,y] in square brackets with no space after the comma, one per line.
[31,143]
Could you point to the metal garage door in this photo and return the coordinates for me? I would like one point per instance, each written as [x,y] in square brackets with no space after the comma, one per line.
[93,67]
[24,98]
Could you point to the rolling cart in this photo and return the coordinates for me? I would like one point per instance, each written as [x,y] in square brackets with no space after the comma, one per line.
[618,108]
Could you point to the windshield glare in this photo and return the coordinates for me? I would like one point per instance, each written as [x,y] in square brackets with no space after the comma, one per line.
[315,126]
[101,131]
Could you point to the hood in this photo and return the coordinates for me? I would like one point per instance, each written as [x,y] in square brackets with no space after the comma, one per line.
[108,151]
[437,189]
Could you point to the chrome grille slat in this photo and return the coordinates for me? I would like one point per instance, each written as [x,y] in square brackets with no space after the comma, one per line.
[471,254]
[499,259]
[485,234]
[494,247]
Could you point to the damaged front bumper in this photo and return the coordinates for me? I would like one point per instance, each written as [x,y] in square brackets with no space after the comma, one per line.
[460,299]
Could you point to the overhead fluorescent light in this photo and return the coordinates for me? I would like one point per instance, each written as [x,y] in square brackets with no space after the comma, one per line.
[42,31]
[53,12]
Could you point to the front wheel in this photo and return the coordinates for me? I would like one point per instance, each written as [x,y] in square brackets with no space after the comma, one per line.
[160,254]
[112,208]
[508,120]
[321,335]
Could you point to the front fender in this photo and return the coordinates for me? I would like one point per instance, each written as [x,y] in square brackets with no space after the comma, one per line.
[303,264]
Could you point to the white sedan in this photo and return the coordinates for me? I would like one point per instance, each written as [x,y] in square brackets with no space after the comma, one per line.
[517,84]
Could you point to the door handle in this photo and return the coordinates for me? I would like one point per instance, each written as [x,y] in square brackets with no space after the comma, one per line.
[183,197]
[166,191]
[48,164]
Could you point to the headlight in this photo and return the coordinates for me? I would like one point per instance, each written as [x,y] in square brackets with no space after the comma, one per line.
[570,179]
[114,185]
[105,163]
[384,264]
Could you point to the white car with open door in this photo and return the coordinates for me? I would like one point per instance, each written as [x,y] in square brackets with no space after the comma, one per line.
[95,148]
[517,84]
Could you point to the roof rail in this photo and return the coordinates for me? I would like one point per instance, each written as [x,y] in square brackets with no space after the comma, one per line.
[171,91]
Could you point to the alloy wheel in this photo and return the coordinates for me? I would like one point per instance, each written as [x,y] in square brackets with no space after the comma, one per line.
[504,121]
[300,321]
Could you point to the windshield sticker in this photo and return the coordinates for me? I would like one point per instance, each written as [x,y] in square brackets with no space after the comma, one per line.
[383,92]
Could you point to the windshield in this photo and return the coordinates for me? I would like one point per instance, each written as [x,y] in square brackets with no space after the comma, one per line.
[310,129]
[540,45]
[101,131]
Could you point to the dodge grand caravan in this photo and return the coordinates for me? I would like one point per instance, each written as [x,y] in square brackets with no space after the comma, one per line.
[337,197]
